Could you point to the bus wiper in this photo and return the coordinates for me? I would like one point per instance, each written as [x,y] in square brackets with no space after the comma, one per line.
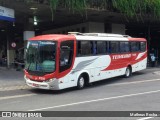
[28,66]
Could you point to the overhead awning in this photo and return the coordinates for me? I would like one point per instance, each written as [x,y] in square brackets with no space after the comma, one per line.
[7,14]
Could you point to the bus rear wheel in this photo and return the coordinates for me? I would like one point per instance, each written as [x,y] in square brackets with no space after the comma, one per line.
[128,72]
[81,82]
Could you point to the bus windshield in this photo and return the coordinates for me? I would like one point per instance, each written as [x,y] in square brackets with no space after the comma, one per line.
[40,56]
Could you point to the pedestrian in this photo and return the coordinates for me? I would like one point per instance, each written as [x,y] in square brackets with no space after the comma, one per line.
[153,60]
[152,57]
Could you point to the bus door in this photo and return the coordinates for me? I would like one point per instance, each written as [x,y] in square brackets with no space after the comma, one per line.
[66,59]
[135,49]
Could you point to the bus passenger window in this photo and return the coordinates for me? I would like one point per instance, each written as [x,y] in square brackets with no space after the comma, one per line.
[79,48]
[94,48]
[101,47]
[143,46]
[135,46]
[114,47]
[124,47]
[85,48]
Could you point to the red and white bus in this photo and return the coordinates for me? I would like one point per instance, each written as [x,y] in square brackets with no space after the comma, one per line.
[62,61]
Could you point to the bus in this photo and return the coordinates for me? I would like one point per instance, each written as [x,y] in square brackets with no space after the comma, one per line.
[57,61]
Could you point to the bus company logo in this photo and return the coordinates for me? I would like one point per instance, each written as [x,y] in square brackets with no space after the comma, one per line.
[115,57]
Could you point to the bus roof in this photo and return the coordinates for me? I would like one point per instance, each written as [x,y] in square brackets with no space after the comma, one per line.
[87,36]
[53,37]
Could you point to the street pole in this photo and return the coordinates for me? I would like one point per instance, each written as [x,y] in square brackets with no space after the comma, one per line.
[8,57]
[149,36]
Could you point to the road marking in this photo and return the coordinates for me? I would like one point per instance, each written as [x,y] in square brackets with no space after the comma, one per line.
[96,100]
[18,87]
[157,72]
[141,81]
[16,96]
[10,103]
[146,118]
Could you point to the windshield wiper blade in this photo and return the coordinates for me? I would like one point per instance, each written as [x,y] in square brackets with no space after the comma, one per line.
[28,66]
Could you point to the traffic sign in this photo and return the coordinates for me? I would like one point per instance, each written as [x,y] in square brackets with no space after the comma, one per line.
[13,44]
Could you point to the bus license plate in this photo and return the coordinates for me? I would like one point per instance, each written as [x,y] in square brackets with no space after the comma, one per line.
[35,85]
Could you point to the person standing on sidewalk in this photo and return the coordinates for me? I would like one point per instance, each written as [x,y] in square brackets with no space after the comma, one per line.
[152,57]
[153,60]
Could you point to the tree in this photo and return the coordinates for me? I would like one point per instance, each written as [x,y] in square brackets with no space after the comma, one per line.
[129,8]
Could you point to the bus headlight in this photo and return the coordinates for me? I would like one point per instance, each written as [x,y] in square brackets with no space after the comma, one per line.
[50,80]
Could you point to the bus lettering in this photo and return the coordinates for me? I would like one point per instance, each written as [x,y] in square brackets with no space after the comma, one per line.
[115,57]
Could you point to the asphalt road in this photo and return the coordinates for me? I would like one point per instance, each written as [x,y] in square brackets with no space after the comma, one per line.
[140,92]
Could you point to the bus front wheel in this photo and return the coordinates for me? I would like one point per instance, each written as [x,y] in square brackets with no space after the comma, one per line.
[81,82]
[128,72]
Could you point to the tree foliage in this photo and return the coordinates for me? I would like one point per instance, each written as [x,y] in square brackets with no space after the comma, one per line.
[130,8]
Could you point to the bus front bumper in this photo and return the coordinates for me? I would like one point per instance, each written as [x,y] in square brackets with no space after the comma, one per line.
[51,85]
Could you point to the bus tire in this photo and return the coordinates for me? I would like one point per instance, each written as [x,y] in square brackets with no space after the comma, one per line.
[81,82]
[128,72]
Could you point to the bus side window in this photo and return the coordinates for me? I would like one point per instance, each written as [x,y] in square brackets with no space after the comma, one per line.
[79,51]
[94,49]
[114,47]
[66,55]
[101,47]
[124,47]
[84,48]
[143,46]
[109,48]
[135,46]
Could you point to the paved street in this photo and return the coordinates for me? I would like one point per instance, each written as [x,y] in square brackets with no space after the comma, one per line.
[141,92]
[10,79]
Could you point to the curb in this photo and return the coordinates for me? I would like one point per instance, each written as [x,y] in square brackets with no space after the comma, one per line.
[17,87]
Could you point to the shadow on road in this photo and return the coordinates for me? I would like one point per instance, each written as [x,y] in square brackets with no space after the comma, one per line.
[90,86]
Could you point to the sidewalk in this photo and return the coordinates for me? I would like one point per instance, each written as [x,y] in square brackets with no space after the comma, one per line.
[11,77]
